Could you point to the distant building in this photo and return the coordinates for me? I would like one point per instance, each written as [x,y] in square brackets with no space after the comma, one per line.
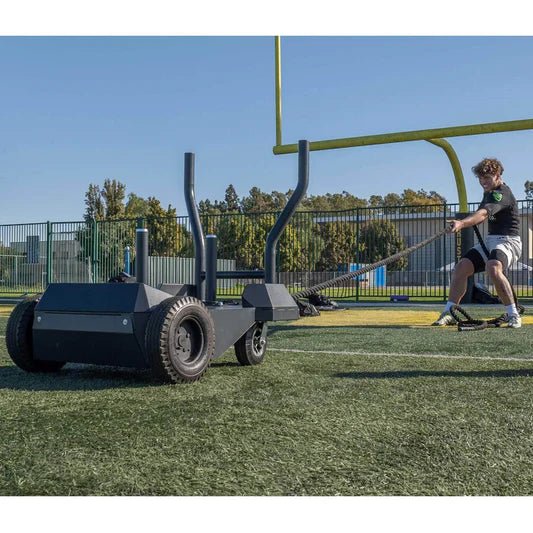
[415,227]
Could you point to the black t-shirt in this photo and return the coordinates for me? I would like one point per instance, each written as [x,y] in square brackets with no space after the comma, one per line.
[503,211]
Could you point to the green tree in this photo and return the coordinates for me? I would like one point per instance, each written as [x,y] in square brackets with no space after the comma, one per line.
[258,201]
[375,200]
[108,236]
[94,209]
[392,200]
[237,239]
[106,203]
[333,202]
[280,199]
[205,207]
[136,206]
[231,200]
[311,242]
[528,186]
[340,245]
[242,237]
[290,250]
[421,201]
[379,239]
[113,194]
[167,237]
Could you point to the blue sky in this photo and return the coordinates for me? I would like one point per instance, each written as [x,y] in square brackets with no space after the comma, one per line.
[77,110]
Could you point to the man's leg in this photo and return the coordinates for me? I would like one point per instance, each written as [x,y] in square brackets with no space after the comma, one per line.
[500,281]
[463,269]
[495,270]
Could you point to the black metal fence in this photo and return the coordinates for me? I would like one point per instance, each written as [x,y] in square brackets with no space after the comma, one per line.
[315,247]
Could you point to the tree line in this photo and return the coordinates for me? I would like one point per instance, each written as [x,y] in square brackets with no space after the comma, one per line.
[242,225]
[258,201]
[310,241]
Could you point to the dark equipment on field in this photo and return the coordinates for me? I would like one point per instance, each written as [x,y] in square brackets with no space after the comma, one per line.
[323,303]
[481,295]
[315,304]
[122,277]
[399,298]
[174,330]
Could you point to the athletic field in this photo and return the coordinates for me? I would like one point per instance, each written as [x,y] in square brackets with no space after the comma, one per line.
[364,401]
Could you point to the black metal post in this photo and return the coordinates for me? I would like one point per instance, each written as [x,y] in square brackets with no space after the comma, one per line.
[141,259]
[287,213]
[196,226]
[211,269]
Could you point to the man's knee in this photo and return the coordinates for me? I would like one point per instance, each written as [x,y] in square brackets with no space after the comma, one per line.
[499,256]
[494,267]
[463,268]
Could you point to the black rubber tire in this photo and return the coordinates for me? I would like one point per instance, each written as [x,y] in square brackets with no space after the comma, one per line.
[19,340]
[248,348]
[180,340]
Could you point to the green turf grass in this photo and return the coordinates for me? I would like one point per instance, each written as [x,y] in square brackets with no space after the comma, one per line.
[300,423]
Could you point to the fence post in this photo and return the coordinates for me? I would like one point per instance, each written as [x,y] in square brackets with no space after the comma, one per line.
[127,260]
[94,251]
[357,211]
[48,253]
[445,272]
[140,224]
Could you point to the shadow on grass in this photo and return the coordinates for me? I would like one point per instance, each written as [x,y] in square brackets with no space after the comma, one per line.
[78,377]
[75,378]
[223,364]
[402,374]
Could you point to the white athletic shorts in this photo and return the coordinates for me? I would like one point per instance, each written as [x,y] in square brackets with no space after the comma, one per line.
[510,245]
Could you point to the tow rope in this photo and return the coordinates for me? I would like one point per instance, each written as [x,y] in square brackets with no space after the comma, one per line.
[467,323]
[307,309]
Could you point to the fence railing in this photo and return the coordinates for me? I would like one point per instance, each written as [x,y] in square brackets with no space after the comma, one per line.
[315,246]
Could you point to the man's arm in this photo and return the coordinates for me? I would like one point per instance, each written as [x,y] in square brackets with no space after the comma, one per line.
[471,220]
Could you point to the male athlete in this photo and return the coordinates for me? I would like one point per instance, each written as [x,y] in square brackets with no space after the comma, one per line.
[503,243]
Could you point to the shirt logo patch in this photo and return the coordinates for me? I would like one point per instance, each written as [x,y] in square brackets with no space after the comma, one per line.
[497,196]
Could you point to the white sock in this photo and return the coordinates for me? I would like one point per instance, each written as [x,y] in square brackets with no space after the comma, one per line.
[448,305]
[511,309]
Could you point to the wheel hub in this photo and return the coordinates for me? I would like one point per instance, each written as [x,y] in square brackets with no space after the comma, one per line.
[258,342]
[188,341]
[183,342]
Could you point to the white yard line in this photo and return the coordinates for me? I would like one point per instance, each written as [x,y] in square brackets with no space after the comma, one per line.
[392,354]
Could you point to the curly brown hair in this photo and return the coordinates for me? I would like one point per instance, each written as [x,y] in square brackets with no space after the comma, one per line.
[489,166]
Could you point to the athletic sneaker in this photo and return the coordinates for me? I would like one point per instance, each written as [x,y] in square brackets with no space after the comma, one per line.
[514,321]
[445,319]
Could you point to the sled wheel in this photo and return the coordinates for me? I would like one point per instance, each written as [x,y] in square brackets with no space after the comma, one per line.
[250,349]
[180,340]
[19,340]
